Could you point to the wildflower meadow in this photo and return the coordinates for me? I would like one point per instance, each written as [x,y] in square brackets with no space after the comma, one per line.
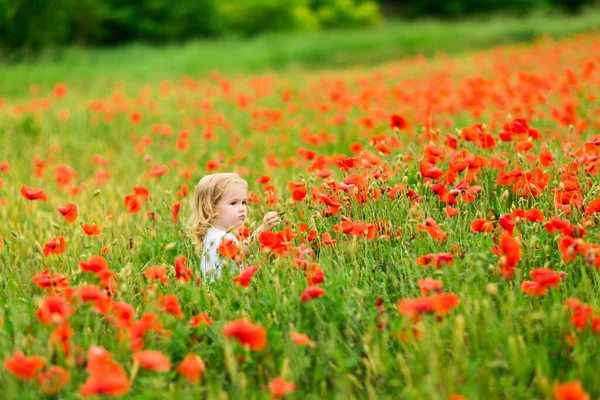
[440,234]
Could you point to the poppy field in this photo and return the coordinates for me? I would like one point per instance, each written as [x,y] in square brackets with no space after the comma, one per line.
[440,234]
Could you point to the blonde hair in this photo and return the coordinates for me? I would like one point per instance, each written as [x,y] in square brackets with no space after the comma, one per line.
[207,195]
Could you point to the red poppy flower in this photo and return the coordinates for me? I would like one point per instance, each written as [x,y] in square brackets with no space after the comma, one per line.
[69,210]
[153,360]
[451,211]
[47,279]
[229,249]
[533,289]
[481,225]
[183,191]
[175,211]
[263,179]
[53,309]
[312,292]
[398,122]
[133,204]
[59,90]
[157,272]
[90,293]
[570,391]
[444,302]
[97,159]
[33,193]
[23,367]
[246,333]
[192,368]
[4,166]
[158,170]
[182,273]
[428,285]
[134,201]
[53,379]
[298,191]
[106,377]
[245,277]
[61,336]
[431,227]
[314,275]
[440,303]
[64,174]
[534,215]
[135,117]
[211,165]
[429,170]
[547,277]
[508,224]
[280,387]
[55,246]
[301,339]
[200,319]
[94,264]
[170,305]
[510,250]
[326,239]
[91,229]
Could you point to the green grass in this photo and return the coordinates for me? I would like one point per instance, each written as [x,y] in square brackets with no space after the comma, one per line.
[286,51]
[498,343]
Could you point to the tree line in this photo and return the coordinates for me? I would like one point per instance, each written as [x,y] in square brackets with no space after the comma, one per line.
[33,25]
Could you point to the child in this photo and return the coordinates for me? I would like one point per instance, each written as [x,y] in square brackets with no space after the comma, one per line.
[219,205]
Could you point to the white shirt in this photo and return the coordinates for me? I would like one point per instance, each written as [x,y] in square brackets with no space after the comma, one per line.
[211,260]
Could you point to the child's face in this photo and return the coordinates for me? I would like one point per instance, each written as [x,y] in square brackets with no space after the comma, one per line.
[233,207]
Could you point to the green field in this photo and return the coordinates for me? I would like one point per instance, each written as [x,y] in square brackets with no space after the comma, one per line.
[85,68]
[500,152]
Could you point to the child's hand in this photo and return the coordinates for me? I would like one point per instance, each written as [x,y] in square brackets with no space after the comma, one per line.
[270,221]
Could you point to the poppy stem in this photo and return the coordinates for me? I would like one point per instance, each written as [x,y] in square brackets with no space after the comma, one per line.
[134,370]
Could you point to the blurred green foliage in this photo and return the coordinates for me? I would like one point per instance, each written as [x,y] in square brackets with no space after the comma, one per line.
[459,8]
[30,26]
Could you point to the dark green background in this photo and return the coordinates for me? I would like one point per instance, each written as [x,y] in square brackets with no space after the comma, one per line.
[28,26]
